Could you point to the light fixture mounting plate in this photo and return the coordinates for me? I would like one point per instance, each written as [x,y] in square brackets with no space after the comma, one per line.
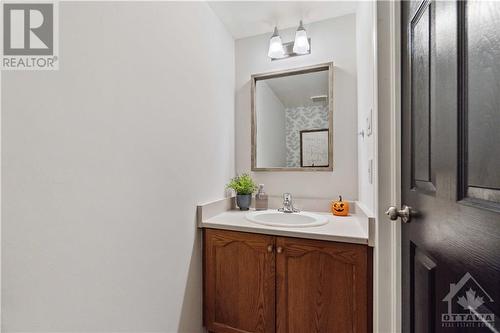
[288,47]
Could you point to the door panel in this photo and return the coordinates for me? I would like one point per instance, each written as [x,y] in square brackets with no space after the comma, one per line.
[309,296]
[423,289]
[483,123]
[421,110]
[239,282]
[450,92]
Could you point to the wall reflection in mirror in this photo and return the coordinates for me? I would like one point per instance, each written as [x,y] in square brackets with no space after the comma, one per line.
[292,120]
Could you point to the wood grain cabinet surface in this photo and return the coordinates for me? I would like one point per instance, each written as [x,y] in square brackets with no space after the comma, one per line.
[261,283]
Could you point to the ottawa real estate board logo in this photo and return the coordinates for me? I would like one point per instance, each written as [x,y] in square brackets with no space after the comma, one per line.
[29,35]
[467,306]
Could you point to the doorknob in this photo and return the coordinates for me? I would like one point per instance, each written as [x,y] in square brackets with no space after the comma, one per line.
[405,213]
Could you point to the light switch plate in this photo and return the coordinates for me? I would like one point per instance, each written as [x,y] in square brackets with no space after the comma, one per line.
[369,123]
[370,171]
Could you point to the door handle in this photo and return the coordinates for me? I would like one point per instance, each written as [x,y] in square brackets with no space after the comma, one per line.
[405,213]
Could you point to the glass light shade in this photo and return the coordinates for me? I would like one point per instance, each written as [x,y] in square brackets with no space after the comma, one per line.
[301,44]
[276,49]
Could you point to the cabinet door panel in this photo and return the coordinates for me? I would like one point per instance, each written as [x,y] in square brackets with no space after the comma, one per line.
[322,286]
[239,282]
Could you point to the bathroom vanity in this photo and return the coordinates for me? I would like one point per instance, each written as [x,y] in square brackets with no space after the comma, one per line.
[262,278]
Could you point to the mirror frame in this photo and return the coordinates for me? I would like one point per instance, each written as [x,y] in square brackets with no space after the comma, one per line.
[296,71]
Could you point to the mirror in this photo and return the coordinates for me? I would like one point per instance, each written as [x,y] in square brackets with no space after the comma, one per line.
[292,117]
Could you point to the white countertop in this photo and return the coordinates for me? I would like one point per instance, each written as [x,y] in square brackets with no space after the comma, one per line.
[350,229]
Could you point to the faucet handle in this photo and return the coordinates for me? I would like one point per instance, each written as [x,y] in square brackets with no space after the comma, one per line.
[288,204]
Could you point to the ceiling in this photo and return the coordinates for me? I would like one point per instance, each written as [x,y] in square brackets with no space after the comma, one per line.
[250,18]
[297,90]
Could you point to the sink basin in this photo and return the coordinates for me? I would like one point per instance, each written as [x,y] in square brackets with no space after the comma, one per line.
[288,220]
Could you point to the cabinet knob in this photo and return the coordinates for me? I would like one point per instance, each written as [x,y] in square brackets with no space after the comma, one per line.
[279,249]
[269,248]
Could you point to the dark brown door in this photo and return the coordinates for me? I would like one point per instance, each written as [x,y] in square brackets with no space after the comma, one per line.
[322,286]
[239,282]
[451,165]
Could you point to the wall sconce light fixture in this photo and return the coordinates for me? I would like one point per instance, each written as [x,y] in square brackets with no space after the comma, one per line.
[276,49]
[301,45]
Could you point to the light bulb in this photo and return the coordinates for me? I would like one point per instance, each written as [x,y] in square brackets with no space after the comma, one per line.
[275,46]
[301,43]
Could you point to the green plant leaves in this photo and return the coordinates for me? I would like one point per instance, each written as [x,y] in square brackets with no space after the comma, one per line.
[242,184]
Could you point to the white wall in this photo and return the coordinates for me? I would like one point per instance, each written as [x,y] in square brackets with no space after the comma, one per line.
[271,128]
[332,40]
[103,164]
[367,150]
[366,65]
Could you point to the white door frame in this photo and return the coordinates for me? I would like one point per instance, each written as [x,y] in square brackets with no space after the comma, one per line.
[387,252]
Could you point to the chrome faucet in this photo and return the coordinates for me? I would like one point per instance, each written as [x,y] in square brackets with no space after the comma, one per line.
[288,204]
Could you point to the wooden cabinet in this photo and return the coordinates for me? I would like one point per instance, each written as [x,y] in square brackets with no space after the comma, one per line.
[321,286]
[239,282]
[260,283]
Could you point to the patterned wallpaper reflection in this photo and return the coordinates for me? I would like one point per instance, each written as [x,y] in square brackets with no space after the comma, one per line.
[298,119]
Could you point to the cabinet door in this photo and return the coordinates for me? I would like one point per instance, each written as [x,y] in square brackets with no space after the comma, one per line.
[322,286]
[239,282]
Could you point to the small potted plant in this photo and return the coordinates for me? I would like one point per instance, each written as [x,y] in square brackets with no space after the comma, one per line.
[244,186]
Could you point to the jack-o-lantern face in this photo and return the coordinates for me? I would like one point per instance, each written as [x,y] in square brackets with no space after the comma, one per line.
[340,208]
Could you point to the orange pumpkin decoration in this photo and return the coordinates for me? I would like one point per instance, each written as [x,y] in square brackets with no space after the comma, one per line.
[340,208]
